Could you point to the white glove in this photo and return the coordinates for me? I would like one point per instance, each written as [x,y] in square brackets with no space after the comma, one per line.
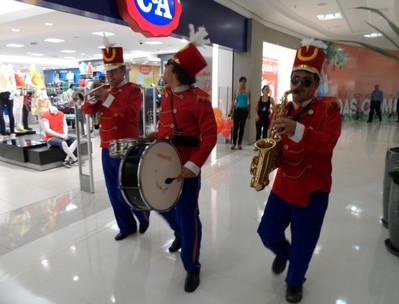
[11,96]
[65,136]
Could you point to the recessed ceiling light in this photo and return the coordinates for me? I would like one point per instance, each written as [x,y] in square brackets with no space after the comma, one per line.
[48,23]
[15,45]
[34,54]
[15,30]
[68,51]
[103,33]
[372,35]
[329,16]
[54,40]
[153,42]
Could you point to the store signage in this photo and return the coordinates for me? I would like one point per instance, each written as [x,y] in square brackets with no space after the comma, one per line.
[152,18]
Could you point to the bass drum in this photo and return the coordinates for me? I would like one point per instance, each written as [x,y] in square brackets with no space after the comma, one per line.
[143,173]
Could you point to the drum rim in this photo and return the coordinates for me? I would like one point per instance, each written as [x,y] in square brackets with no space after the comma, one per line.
[139,178]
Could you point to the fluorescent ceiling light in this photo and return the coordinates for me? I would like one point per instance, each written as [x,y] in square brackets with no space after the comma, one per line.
[329,16]
[372,35]
[48,23]
[103,33]
[15,45]
[15,30]
[68,51]
[54,40]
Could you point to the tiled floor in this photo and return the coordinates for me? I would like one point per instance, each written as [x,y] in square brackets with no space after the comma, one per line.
[57,242]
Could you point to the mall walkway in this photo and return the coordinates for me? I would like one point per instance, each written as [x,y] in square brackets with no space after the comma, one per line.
[57,243]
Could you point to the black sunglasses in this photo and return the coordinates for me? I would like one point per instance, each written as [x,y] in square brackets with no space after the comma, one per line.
[305,81]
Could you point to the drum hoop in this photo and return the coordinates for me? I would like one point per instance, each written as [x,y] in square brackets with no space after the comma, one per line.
[139,182]
[121,167]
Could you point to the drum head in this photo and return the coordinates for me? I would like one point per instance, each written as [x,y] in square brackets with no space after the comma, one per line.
[160,161]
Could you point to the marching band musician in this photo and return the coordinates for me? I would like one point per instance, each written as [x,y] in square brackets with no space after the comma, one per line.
[299,197]
[118,105]
[186,118]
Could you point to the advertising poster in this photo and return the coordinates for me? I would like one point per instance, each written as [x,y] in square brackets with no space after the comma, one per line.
[354,82]
[270,75]
[145,76]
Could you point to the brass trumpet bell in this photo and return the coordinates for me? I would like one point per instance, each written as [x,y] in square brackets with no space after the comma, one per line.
[80,98]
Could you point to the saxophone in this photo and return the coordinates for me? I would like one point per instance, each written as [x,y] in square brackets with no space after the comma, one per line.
[264,163]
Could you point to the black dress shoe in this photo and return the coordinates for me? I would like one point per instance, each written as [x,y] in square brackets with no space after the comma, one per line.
[192,281]
[279,265]
[120,236]
[293,294]
[175,246]
[143,227]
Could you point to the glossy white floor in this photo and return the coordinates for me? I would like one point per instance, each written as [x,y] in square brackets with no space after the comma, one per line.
[57,243]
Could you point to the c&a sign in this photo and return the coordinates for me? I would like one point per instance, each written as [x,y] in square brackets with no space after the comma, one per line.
[152,18]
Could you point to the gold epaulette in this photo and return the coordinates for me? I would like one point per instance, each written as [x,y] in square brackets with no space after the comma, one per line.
[330,101]
[202,96]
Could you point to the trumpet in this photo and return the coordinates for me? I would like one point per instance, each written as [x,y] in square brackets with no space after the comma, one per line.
[80,98]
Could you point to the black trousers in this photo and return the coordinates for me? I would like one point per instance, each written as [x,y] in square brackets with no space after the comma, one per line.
[262,127]
[5,101]
[375,106]
[240,117]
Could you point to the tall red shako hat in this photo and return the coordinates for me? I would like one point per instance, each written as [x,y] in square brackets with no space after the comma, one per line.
[189,57]
[310,57]
[112,56]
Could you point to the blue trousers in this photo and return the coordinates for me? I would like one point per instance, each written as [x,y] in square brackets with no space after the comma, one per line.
[185,222]
[306,223]
[124,214]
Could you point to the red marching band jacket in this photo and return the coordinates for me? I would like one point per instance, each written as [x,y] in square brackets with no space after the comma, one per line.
[121,119]
[305,167]
[194,117]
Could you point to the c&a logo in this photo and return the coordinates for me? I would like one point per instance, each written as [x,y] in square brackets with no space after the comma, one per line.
[153,18]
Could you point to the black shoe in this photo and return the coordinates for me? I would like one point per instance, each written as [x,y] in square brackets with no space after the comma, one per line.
[279,265]
[368,121]
[143,227]
[293,294]
[67,164]
[192,281]
[120,236]
[175,246]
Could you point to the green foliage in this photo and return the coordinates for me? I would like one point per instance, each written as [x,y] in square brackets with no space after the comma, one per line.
[394,174]
[335,55]
[392,40]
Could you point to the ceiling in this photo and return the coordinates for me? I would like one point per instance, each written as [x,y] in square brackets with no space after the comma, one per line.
[294,17]
[299,18]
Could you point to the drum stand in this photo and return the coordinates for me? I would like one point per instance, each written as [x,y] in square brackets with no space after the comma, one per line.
[86,180]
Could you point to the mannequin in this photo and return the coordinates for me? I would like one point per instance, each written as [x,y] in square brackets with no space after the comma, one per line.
[40,100]
[89,68]
[70,77]
[82,68]
[56,128]
[7,92]
[19,102]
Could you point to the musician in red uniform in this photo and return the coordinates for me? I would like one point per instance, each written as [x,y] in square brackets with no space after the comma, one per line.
[118,105]
[310,128]
[186,118]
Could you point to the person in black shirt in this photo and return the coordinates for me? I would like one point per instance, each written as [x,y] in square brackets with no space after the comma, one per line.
[262,109]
